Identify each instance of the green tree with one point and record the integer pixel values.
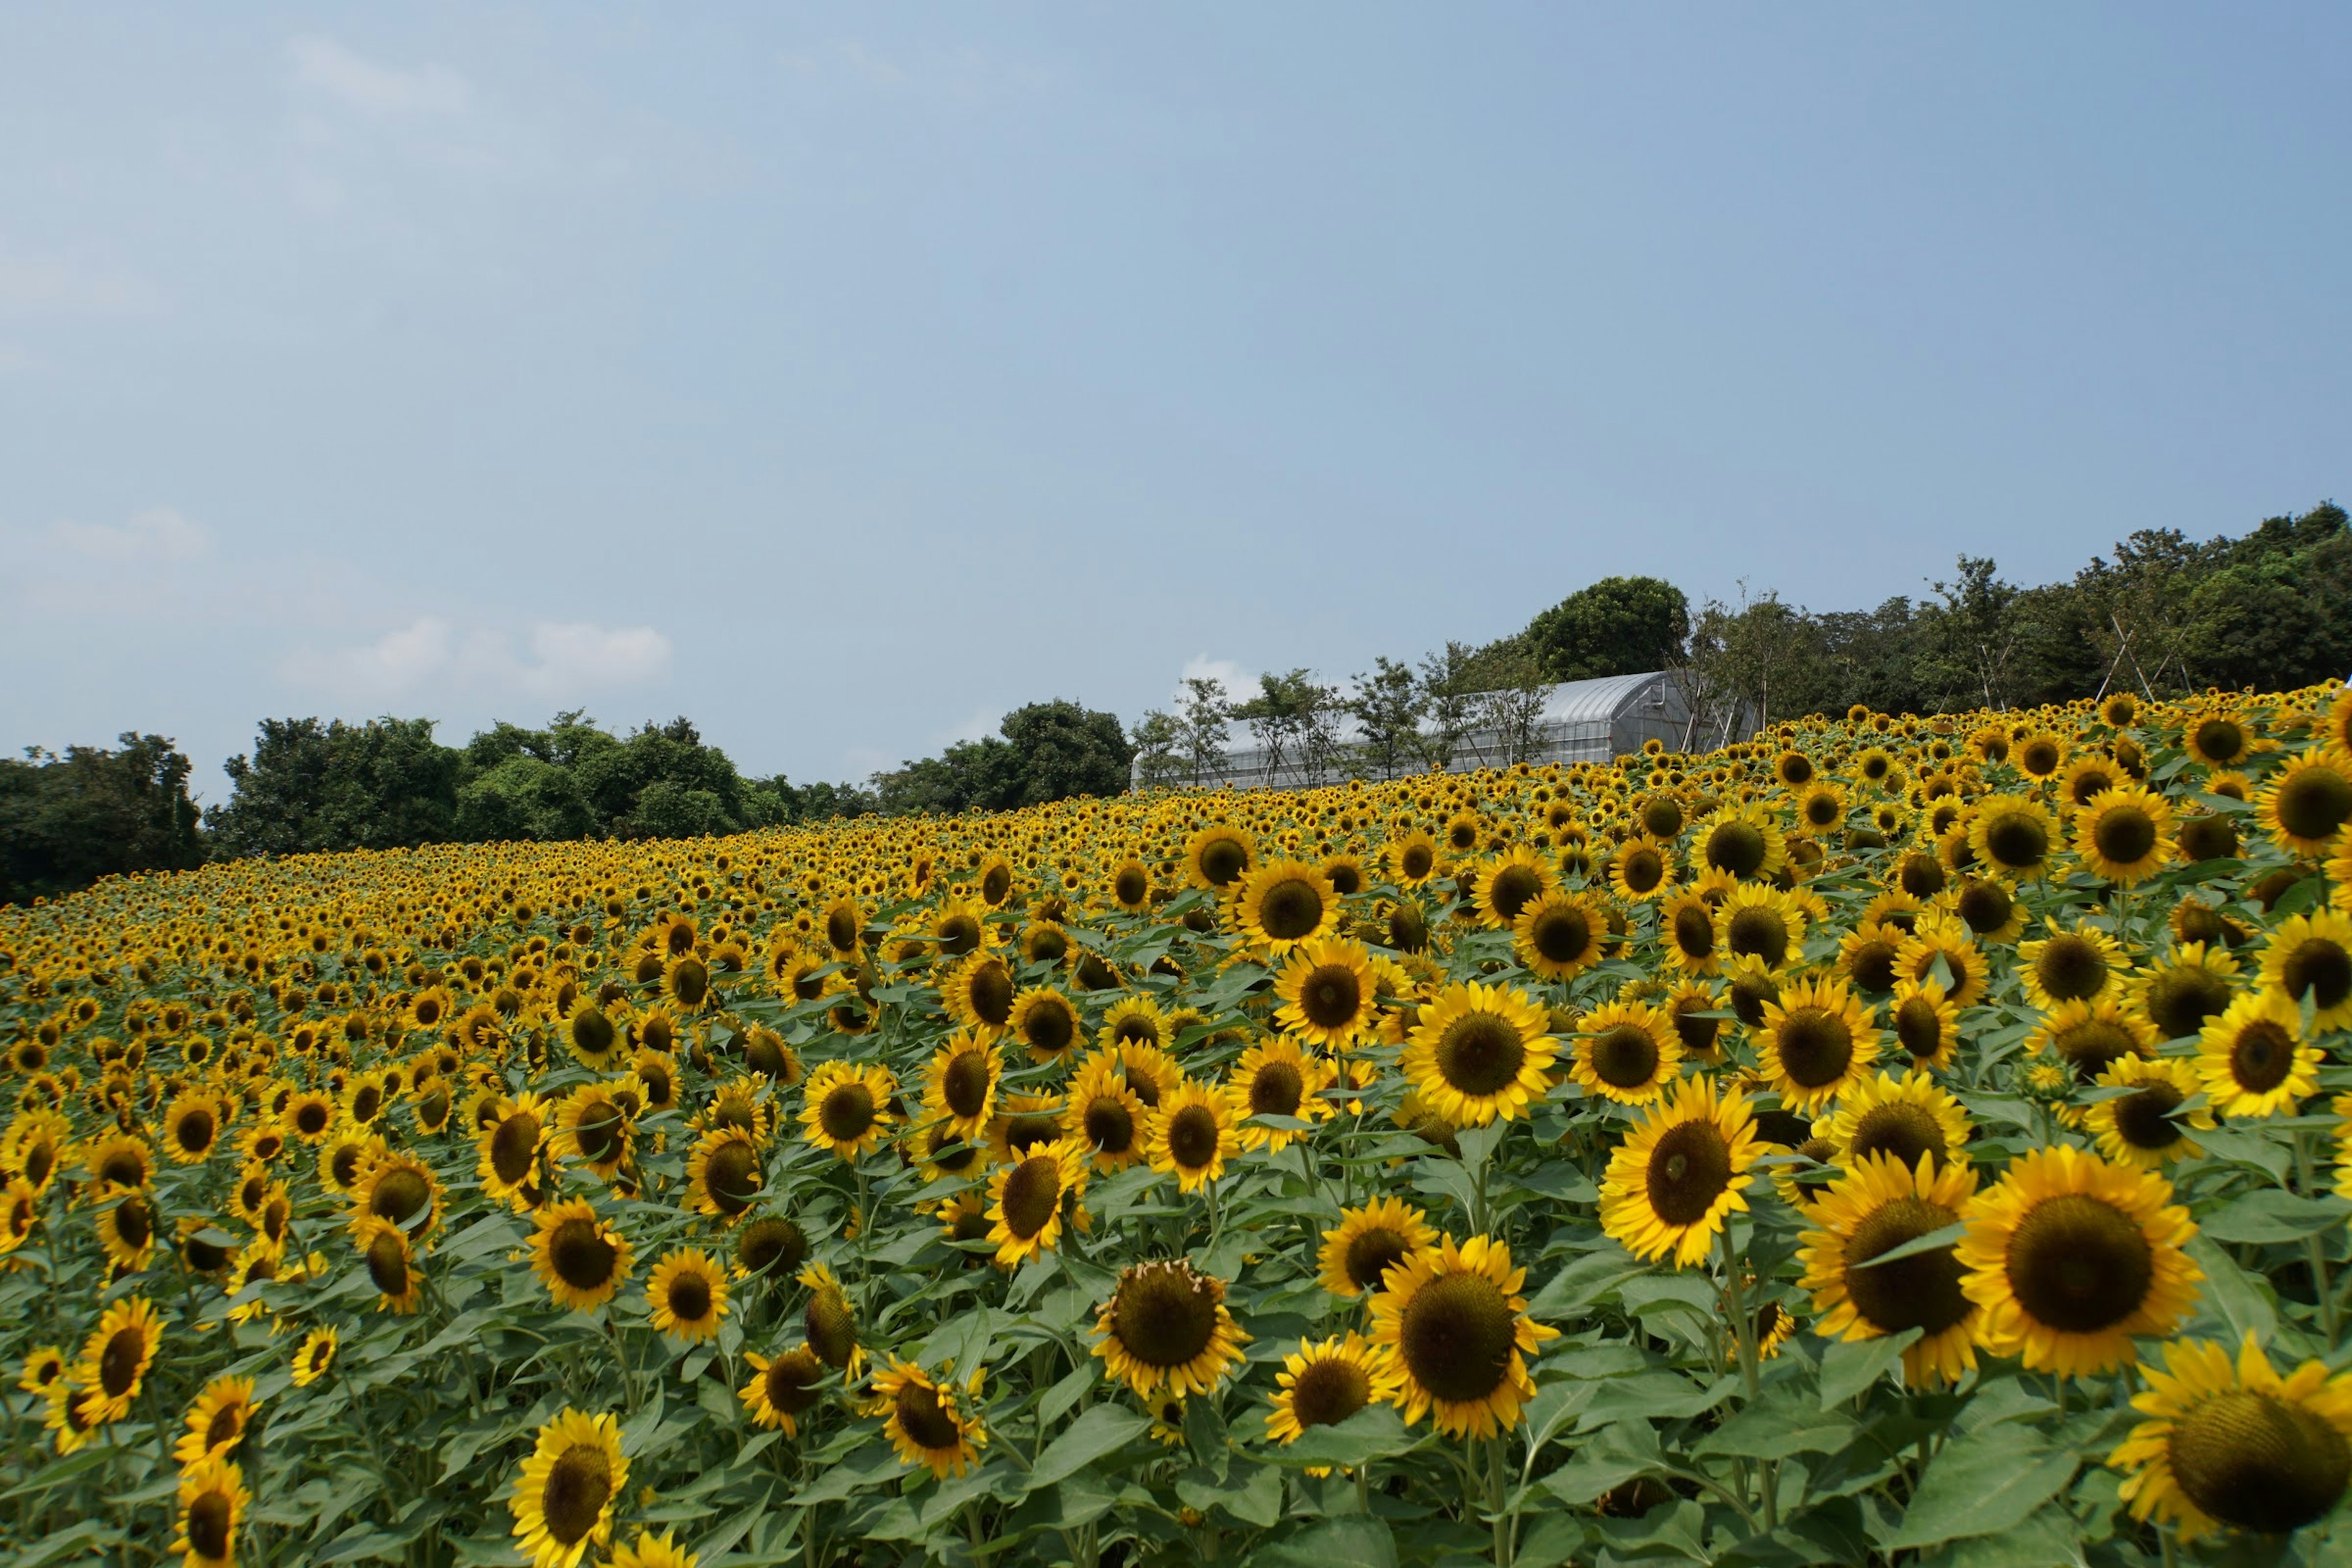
(1619, 625)
(308, 787)
(67, 821)
(1061, 750)
(523, 797)
(1156, 739)
(1387, 707)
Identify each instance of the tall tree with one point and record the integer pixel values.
(66, 821)
(1387, 706)
(1619, 625)
(1206, 715)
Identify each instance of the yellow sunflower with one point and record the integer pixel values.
(1946, 939)
(1626, 1051)
(1924, 1023)
(2090, 1036)
(595, 1128)
(2124, 835)
(651, 1551)
(1324, 1381)
(216, 1421)
(1558, 935)
(2013, 835)
(1501, 889)
(1480, 1052)
(1412, 858)
(2145, 1126)
(979, 991)
(1025, 1199)
(963, 1076)
(2304, 804)
(783, 1390)
(1046, 1022)
(1672, 1185)
(115, 1358)
(1217, 854)
(1368, 1241)
(1106, 1116)
(564, 1496)
(1760, 922)
(920, 1416)
(1876, 1206)
(686, 1297)
(2079, 965)
(1457, 1335)
(1285, 902)
(1909, 1119)
(213, 1499)
(1189, 1133)
(831, 1322)
(2195, 983)
(2070, 1256)
(1274, 1077)
(1166, 1326)
(2236, 1446)
(2253, 1060)
(1642, 869)
(1328, 993)
(1744, 841)
(2311, 956)
(847, 1109)
(391, 1263)
(315, 1355)
(1817, 1041)
(725, 1173)
(581, 1259)
(1687, 928)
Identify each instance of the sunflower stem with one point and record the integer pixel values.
(2313, 1251)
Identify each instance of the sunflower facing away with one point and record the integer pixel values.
(1673, 1184)
(1877, 1206)
(564, 1499)
(2236, 1446)
(1457, 1335)
(921, 1417)
(1480, 1052)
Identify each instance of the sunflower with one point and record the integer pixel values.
(590, 1032)
(782, 1391)
(127, 1233)
(1686, 925)
(1130, 886)
(1817, 1040)
(564, 1499)
(1689, 1006)
(2304, 804)
(1022, 1123)
(686, 1297)
(216, 1421)
(831, 1322)
(1642, 869)
(581, 1259)
(1412, 858)
(1328, 993)
(1558, 935)
(1106, 1116)
(314, 1355)
(2177, 997)
(1285, 902)
(1925, 1024)
(2236, 1446)
(1189, 1133)
(1217, 854)
(2078, 965)
(310, 1115)
(1457, 1335)
(391, 1263)
(1743, 840)
(1166, 1326)
(978, 993)
(847, 1108)
(1940, 937)
(2089, 1036)
(1025, 1200)
(804, 975)
(2253, 1060)
(399, 1188)
(2071, 1257)
(212, 1504)
(963, 1076)
(1909, 1119)
(1479, 1052)
(653, 1551)
(192, 1128)
(2311, 956)
(44, 1367)
(2145, 1127)
(921, 1418)
(1876, 1206)
(1988, 907)
(70, 1411)
(1274, 1077)
(1758, 923)
(1626, 1051)
(1368, 1241)
(1503, 888)
(115, 1358)
(725, 1173)
(509, 1148)
(1046, 1022)
(1324, 1381)
(595, 1128)
(2124, 835)
(2013, 835)
(1671, 1185)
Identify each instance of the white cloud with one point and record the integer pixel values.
(1239, 682)
(564, 660)
(955, 76)
(50, 286)
(982, 720)
(327, 68)
(157, 534)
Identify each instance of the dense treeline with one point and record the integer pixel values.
(2160, 614)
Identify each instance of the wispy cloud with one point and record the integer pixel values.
(1239, 681)
(57, 286)
(157, 534)
(434, 654)
(328, 70)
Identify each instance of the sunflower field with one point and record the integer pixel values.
(1887, 1141)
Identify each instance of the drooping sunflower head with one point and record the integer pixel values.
(1166, 1326)
(564, 1496)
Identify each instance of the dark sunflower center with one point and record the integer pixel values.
(1985, 905)
(1901, 1129)
(1749, 993)
(2220, 740)
(578, 1485)
(841, 930)
(847, 1113)
(2181, 1000)
(400, 1195)
(133, 1223)
(1130, 885)
(991, 994)
(2253, 1462)
(1695, 931)
(1275, 1089)
(2038, 757)
(2017, 841)
(2090, 782)
(1327, 1391)
(1109, 1126)
(1561, 935)
(1513, 886)
(1820, 810)
(1625, 1056)
(2124, 834)
(1163, 1315)
(1689, 1168)
(1222, 859)
(1480, 1054)
(922, 1420)
(592, 1032)
(1346, 881)
(1408, 928)
(367, 1102)
(1332, 996)
(959, 934)
(195, 1131)
(2262, 1055)
(1372, 1254)
(2314, 803)
(311, 1118)
(1192, 1137)
(690, 1298)
(1760, 931)
(1816, 1047)
(792, 1383)
(2071, 967)
(832, 1331)
(996, 884)
(733, 1176)
(1050, 1025)
(1738, 848)
(1418, 860)
(1641, 868)
(228, 1422)
(121, 1361)
(598, 1133)
(2320, 968)
(2091, 1046)
(963, 1084)
(1921, 1291)
(387, 1264)
(212, 1518)
(2079, 1265)
(949, 1152)
(1031, 1193)
(771, 1244)
(1698, 1034)
(1291, 909)
(1661, 817)
(580, 1255)
(1871, 967)
(2144, 1117)
(1918, 1027)
(1048, 947)
(1456, 1337)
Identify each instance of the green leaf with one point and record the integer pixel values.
(1355, 1538)
(1778, 1423)
(1934, 1241)
(1375, 1432)
(1055, 1402)
(1981, 1484)
(1614, 1456)
(1581, 1283)
(1251, 1493)
(2272, 1217)
(2243, 1301)
(1104, 1429)
(2047, 1538)
(1849, 1366)
(863, 1470)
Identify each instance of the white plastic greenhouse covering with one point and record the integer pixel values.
(1583, 721)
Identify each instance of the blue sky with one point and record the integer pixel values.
(843, 376)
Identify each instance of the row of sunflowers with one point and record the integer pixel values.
(1890, 1140)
